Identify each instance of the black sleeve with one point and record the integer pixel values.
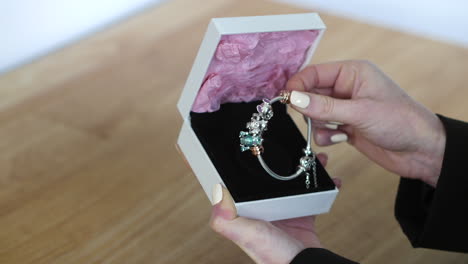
(430, 218)
(438, 218)
(319, 255)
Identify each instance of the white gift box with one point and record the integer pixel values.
(259, 197)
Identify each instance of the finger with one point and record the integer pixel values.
(224, 215)
(315, 76)
(304, 222)
(322, 91)
(224, 218)
(256, 238)
(338, 182)
(264, 241)
(324, 108)
(317, 123)
(223, 208)
(323, 124)
(340, 76)
(323, 158)
(327, 137)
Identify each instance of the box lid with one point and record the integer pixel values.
(219, 27)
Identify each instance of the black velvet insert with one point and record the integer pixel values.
(241, 172)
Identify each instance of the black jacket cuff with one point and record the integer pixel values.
(437, 218)
(319, 255)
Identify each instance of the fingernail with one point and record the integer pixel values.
(217, 194)
(335, 123)
(299, 99)
(339, 138)
(331, 126)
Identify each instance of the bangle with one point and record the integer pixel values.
(253, 139)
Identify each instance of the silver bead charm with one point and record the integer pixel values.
(307, 162)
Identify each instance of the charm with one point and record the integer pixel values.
(252, 140)
(265, 110)
(306, 163)
(248, 140)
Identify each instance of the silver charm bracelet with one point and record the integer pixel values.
(253, 139)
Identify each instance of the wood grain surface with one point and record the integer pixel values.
(89, 172)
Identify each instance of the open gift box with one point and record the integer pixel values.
(241, 61)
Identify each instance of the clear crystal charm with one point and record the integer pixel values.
(307, 162)
(256, 116)
(265, 110)
(257, 125)
(254, 127)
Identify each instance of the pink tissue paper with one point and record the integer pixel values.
(253, 66)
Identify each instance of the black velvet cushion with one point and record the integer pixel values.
(241, 172)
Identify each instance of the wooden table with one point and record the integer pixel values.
(89, 172)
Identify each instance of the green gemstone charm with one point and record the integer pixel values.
(247, 140)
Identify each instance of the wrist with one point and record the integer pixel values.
(433, 152)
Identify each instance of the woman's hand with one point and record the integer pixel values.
(362, 105)
(265, 242)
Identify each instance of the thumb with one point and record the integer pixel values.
(224, 209)
(324, 108)
(261, 240)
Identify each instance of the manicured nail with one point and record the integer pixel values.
(217, 194)
(331, 126)
(299, 99)
(335, 123)
(339, 138)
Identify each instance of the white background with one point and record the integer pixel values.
(445, 20)
(32, 28)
